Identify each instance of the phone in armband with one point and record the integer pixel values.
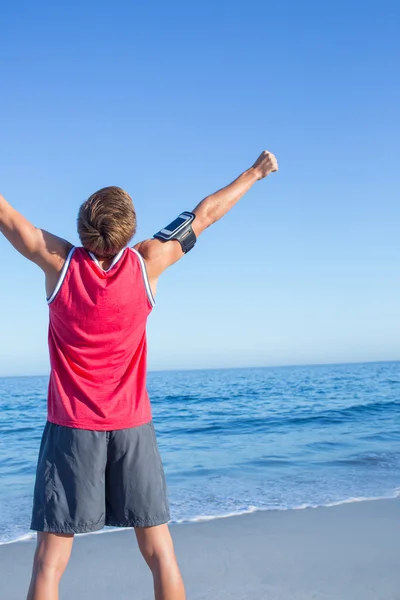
(180, 230)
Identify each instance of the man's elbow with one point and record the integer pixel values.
(202, 222)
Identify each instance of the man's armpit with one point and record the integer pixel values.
(52, 251)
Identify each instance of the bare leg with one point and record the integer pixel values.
(51, 558)
(156, 545)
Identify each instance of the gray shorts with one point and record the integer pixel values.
(88, 479)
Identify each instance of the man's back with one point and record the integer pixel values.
(97, 342)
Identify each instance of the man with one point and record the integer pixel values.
(98, 461)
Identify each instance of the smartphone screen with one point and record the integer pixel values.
(174, 225)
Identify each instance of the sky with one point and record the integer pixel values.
(173, 100)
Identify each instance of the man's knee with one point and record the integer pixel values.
(156, 546)
(48, 566)
(52, 555)
(158, 554)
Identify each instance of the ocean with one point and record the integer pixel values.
(237, 441)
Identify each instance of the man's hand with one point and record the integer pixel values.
(265, 164)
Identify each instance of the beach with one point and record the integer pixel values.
(351, 552)
(293, 453)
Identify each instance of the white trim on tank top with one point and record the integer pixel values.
(62, 276)
(145, 277)
(114, 262)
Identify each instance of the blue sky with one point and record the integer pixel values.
(173, 100)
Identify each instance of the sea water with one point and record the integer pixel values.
(235, 441)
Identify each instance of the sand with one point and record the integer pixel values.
(348, 552)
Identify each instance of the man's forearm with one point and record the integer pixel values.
(212, 208)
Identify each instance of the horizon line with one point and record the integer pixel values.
(288, 366)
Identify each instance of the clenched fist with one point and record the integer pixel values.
(265, 164)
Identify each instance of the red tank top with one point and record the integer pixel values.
(97, 343)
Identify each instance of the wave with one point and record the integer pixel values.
(340, 415)
(253, 509)
(249, 510)
(255, 424)
(387, 459)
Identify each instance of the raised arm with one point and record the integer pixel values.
(46, 250)
(160, 255)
